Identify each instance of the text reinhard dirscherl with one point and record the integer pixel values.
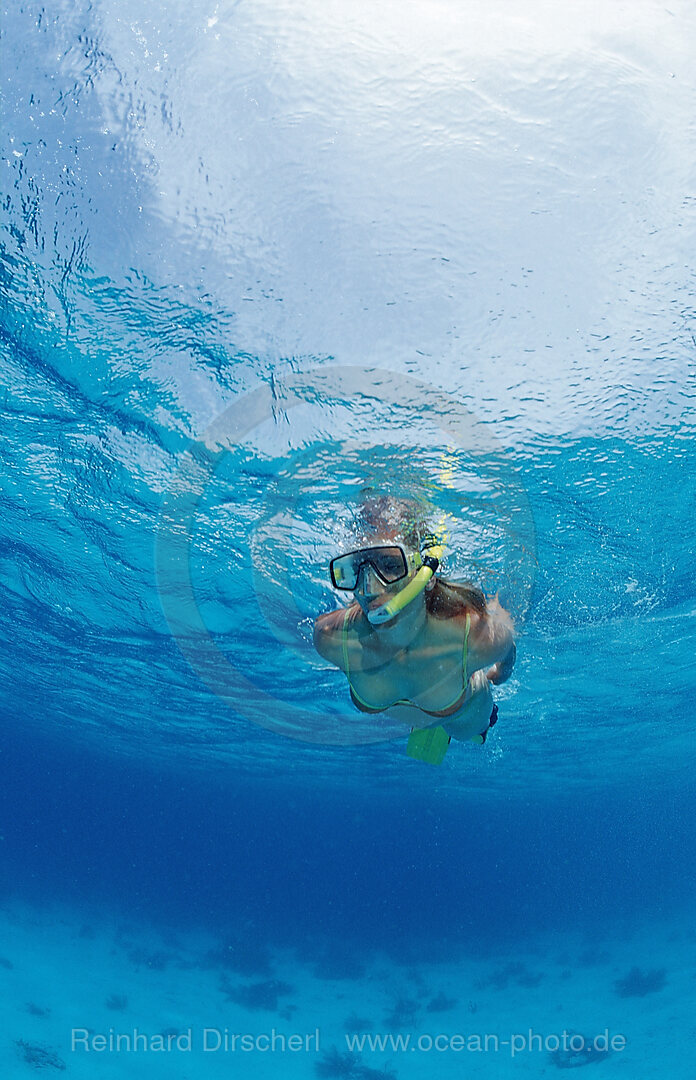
(216, 1040)
(208, 1040)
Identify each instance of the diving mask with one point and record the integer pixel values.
(390, 562)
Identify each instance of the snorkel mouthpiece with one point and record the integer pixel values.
(409, 592)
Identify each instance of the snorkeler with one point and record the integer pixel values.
(424, 648)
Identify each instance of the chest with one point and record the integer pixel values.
(431, 677)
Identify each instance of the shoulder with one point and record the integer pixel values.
(329, 629)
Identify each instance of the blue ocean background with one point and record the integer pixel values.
(255, 259)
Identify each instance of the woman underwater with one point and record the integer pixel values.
(429, 663)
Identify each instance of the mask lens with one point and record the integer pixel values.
(389, 563)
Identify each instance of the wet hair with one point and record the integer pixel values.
(385, 516)
(452, 599)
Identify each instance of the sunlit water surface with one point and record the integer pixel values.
(256, 257)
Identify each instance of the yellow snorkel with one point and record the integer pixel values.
(435, 547)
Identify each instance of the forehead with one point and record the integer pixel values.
(384, 539)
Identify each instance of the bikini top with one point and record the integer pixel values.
(364, 706)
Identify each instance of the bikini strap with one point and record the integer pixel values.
(466, 649)
(345, 645)
(357, 700)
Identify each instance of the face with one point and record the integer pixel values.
(371, 592)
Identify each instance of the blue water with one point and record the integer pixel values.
(254, 259)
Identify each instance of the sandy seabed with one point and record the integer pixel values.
(101, 996)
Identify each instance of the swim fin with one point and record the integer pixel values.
(428, 744)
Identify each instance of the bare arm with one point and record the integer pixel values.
(494, 643)
(501, 671)
(328, 636)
